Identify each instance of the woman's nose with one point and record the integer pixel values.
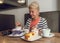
(31, 13)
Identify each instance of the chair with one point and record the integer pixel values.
(51, 17)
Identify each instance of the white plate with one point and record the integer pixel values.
(33, 39)
(51, 35)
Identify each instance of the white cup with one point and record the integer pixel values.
(17, 29)
(26, 30)
(46, 32)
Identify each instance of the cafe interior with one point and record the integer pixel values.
(12, 11)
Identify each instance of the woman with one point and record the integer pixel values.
(35, 21)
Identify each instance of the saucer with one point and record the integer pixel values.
(32, 39)
(17, 35)
(50, 35)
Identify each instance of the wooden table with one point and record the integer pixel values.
(55, 39)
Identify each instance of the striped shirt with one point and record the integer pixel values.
(42, 24)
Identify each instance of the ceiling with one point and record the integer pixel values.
(7, 4)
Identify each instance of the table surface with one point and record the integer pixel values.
(6, 39)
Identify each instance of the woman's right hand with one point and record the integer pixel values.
(18, 23)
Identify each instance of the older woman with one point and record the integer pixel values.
(35, 21)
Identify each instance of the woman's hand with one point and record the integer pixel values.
(33, 28)
(40, 32)
(18, 24)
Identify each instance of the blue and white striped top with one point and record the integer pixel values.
(42, 24)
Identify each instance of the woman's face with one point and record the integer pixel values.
(34, 13)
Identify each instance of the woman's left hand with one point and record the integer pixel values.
(40, 32)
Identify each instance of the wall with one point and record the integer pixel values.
(46, 5)
(19, 13)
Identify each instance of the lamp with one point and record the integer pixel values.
(1, 1)
(21, 1)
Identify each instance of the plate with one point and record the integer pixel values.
(51, 35)
(16, 35)
(33, 39)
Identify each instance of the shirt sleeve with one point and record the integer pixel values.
(44, 22)
(27, 24)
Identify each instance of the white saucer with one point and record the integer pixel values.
(16, 35)
(33, 39)
(51, 35)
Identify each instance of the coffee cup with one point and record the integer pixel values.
(46, 32)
